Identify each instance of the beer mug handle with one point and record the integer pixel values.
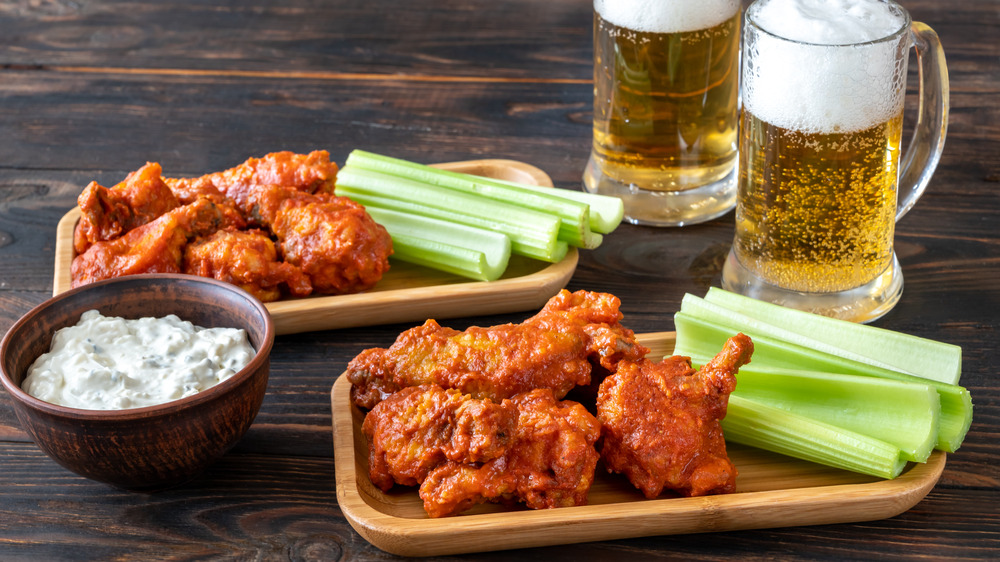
(924, 151)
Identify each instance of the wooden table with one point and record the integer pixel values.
(92, 90)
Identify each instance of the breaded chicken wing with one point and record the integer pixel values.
(549, 464)
(106, 214)
(660, 422)
(247, 259)
(553, 349)
(155, 247)
(334, 241)
(421, 427)
(463, 451)
(310, 173)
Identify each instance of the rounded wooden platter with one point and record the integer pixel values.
(771, 491)
(406, 292)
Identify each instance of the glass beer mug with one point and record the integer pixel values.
(821, 178)
(666, 77)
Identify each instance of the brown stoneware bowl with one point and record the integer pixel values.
(153, 447)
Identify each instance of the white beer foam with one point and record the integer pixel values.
(828, 22)
(815, 87)
(666, 16)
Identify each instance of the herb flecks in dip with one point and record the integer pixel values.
(105, 363)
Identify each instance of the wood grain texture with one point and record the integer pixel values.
(92, 90)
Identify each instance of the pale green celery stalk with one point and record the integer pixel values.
(758, 425)
(903, 414)
(455, 248)
(788, 331)
(606, 211)
(525, 242)
(903, 352)
(573, 215)
(515, 221)
(701, 340)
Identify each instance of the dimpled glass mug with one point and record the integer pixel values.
(821, 177)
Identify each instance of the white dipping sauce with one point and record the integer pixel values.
(106, 363)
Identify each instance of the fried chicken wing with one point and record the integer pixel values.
(661, 422)
(155, 247)
(463, 451)
(419, 428)
(106, 214)
(553, 349)
(264, 201)
(247, 259)
(334, 241)
(310, 173)
(549, 464)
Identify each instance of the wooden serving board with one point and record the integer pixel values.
(772, 490)
(406, 292)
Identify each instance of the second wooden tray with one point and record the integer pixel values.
(771, 491)
(407, 293)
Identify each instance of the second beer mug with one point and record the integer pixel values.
(666, 76)
(820, 135)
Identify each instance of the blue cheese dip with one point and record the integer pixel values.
(105, 363)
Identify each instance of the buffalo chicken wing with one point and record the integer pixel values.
(550, 463)
(310, 173)
(660, 422)
(279, 230)
(106, 214)
(333, 241)
(463, 451)
(422, 427)
(247, 259)
(155, 247)
(552, 349)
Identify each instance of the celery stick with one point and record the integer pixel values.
(606, 211)
(910, 354)
(574, 215)
(700, 340)
(788, 331)
(909, 420)
(758, 425)
(515, 219)
(455, 248)
(436, 255)
(525, 242)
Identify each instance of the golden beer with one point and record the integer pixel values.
(816, 211)
(822, 180)
(665, 103)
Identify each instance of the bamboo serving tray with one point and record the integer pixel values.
(406, 292)
(771, 491)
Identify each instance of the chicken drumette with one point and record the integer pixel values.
(552, 349)
(421, 427)
(155, 247)
(107, 213)
(549, 464)
(247, 259)
(309, 173)
(308, 241)
(660, 422)
(463, 451)
(333, 240)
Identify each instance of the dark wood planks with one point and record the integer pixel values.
(91, 90)
(270, 507)
(514, 38)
